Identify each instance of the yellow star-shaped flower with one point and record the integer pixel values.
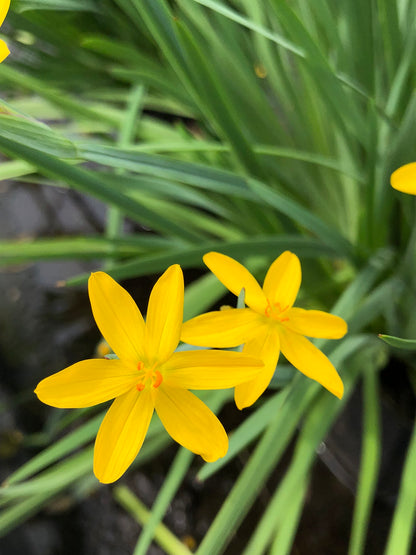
(148, 375)
(271, 324)
(4, 8)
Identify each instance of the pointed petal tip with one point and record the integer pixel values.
(212, 457)
(339, 391)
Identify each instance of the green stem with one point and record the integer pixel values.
(370, 463)
(164, 537)
(403, 525)
(127, 132)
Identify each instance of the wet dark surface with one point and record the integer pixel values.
(44, 328)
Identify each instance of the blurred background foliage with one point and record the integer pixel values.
(248, 128)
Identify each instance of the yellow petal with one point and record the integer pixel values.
(266, 347)
(117, 317)
(4, 8)
(282, 281)
(4, 51)
(315, 323)
(165, 315)
(86, 383)
(404, 179)
(191, 423)
(307, 358)
(209, 369)
(121, 434)
(222, 328)
(236, 277)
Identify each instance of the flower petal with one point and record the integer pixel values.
(117, 317)
(307, 358)
(4, 8)
(191, 423)
(266, 347)
(315, 323)
(121, 434)
(222, 328)
(236, 277)
(404, 179)
(282, 281)
(86, 383)
(209, 369)
(4, 51)
(165, 315)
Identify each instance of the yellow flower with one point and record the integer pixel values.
(271, 324)
(404, 179)
(148, 375)
(4, 8)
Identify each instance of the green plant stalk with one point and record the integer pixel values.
(316, 425)
(170, 486)
(88, 183)
(126, 136)
(164, 537)
(370, 464)
(257, 470)
(285, 522)
(282, 543)
(403, 525)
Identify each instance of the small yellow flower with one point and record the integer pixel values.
(271, 324)
(4, 8)
(404, 179)
(147, 375)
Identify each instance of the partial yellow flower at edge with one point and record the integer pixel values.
(148, 375)
(4, 8)
(269, 325)
(404, 179)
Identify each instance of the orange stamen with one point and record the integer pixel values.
(140, 366)
(158, 379)
(140, 386)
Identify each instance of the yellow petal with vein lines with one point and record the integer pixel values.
(209, 369)
(404, 179)
(222, 328)
(117, 317)
(165, 315)
(4, 8)
(87, 383)
(307, 358)
(236, 277)
(121, 434)
(266, 347)
(282, 281)
(4, 51)
(315, 323)
(191, 423)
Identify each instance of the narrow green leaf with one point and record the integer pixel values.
(370, 464)
(174, 478)
(70, 5)
(398, 342)
(249, 24)
(167, 541)
(192, 257)
(56, 451)
(240, 438)
(89, 182)
(90, 248)
(36, 135)
(403, 525)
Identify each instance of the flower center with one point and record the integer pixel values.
(148, 377)
(276, 312)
